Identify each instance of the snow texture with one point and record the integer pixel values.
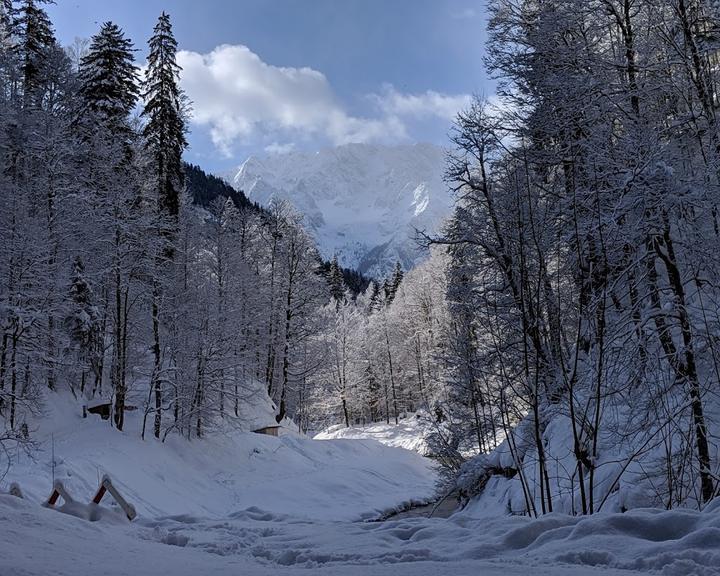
(409, 433)
(255, 541)
(339, 480)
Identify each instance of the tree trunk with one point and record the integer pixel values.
(13, 378)
(156, 379)
(3, 367)
(392, 374)
(687, 370)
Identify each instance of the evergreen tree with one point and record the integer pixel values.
(36, 41)
(165, 141)
(397, 277)
(108, 77)
(83, 325)
(392, 284)
(336, 282)
(165, 129)
(107, 165)
(376, 299)
(7, 24)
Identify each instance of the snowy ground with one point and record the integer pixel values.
(254, 505)
(339, 480)
(252, 542)
(409, 433)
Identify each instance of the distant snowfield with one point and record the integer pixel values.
(254, 505)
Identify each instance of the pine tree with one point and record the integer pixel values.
(83, 325)
(165, 129)
(376, 298)
(397, 277)
(392, 284)
(165, 141)
(107, 166)
(36, 41)
(7, 23)
(108, 77)
(336, 282)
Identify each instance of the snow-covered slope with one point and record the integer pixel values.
(225, 472)
(241, 503)
(362, 202)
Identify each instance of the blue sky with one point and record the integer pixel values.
(269, 75)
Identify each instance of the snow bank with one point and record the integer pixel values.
(243, 503)
(630, 471)
(677, 542)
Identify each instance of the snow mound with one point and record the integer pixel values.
(670, 542)
(627, 474)
(259, 542)
(258, 505)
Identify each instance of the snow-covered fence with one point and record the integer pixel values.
(88, 511)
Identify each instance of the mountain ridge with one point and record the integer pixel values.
(362, 202)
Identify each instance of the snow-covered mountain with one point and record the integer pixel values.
(362, 202)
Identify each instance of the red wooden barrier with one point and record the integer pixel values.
(58, 491)
(106, 485)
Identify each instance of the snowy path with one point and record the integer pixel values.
(38, 542)
(253, 542)
(676, 542)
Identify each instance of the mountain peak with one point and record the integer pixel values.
(362, 202)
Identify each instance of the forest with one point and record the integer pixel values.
(563, 332)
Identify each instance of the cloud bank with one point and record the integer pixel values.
(426, 104)
(239, 98)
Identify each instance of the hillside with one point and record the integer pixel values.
(261, 506)
(232, 470)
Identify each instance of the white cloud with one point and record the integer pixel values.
(423, 105)
(241, 99)
(277, 148)
(237, 95)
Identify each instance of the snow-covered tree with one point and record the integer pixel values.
(164, 141)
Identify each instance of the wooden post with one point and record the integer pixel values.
(58, 491)
(99, 494)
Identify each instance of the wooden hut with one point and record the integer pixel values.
(272, 430)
